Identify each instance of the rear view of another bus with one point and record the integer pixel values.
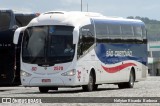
(9, 52)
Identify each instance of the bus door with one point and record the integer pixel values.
(86, 48)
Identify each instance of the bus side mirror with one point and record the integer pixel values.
(75, 35)
(17, 33)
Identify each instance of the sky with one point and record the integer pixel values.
(120, 8)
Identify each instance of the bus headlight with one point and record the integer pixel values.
(25, 74)
(69, 73)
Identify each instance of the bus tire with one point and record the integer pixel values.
(121, 85)
(53, 88)
(43, 89)
(90, 85)
(128, 84)
(95, 87)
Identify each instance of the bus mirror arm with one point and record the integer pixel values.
(15, 27)
(17, 33)
(75, 35)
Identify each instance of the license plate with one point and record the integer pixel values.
(46, 80)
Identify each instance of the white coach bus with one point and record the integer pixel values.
(72, 49)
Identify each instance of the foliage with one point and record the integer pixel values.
(152, 26)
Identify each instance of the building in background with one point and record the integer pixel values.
(154, 58)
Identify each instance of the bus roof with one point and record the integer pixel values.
(24, 14)
(3, 9)
(74, 18)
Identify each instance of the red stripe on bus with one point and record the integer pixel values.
(117, 68)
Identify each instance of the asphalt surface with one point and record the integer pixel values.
(76, 97)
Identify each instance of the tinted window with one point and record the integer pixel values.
(127, 30)
(34, 41)
(119, 31)
(86, 39)
(48, 44)
(5, 18)
(114, 29)
(137, 31)
(144, 32)
(101, 30)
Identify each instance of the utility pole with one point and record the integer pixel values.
(81, 5)
(87, 7)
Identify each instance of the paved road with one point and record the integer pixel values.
(148, 88)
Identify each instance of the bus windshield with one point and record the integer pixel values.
(5, 19)
(46, 45)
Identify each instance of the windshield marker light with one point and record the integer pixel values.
(69, 73)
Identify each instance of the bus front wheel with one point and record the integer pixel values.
(90, 85)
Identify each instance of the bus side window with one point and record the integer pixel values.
(101, 30)
(127, 30)
(80, 46)
(86, 39)
(6, 17)
(144, 33)
(137, 31)
(114, 30)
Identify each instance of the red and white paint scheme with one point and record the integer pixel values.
(71, 49)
